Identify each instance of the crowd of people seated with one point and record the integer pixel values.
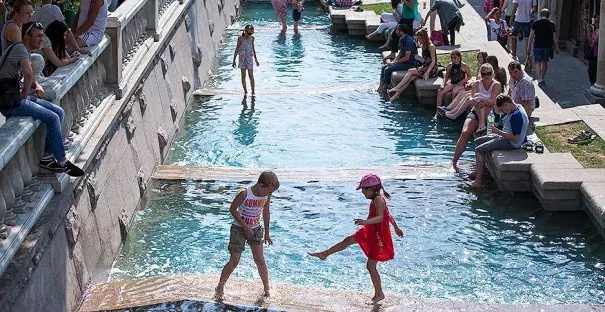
(42, 30)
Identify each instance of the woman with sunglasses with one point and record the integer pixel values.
(11, 30)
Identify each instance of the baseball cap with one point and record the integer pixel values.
(369, 180)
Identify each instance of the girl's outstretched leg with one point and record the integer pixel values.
(227, 270)
(243, 70)
(378, 294)
(251, 76)
(261, 265)
(348, 241)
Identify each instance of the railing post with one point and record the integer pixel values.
(152, 14)
(113, 61)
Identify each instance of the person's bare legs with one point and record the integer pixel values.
(348, 241)
(387, 45)
(432, 21)
(409, 77)
(73, 44)
(440, 94)
(470, 125)
(479, 173)
(482, 115)
(528, 109)
(375, 276)
(513, 45)
(457, 89)
(284, 25)
(459, 105)
(458, 100)
(251, 76)
(227, 270)
(243, 70)
(259, 259)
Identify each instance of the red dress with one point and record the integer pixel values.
(375, 239)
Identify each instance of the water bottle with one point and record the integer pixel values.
(490, 121)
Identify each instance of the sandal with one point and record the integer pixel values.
(538, 147)
(528, 146)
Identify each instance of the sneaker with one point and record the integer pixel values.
(72, 169)
(51, 165)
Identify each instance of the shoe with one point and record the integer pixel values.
(51, 165)
(72, 169)
(541, 84)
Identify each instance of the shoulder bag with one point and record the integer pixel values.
(10, 93)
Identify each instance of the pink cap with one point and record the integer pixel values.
(369, 180)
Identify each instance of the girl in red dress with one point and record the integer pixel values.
(374, 237)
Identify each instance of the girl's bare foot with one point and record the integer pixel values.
(472, 175)
(219, 292)
(377, 298)
(266, 292)
(474, 184)
(394, 97)
(319, 255)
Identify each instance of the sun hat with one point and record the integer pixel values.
(369, 180)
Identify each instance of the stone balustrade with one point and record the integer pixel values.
(133, 27)
(25, 190)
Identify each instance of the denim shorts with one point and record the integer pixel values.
(541, 54)
(525, 28)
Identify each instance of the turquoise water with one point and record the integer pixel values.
(489, 249)
(316, 108)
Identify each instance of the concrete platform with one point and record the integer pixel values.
(559, 189)
(284, 297)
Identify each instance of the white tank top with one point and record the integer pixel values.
(486, 93)
(251, 209)
(100, 22)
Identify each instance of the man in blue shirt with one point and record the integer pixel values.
(511, 137)
(404, 60)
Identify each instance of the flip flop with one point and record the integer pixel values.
(539, 147)
(528, 146)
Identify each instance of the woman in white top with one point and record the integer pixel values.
(90, 22)
(389, 20)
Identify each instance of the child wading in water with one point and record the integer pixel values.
(374, 237)
(246, 209)
(247, 56)
(297, 12)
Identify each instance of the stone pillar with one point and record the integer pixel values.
(598, 89)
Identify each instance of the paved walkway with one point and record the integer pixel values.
(566, 78)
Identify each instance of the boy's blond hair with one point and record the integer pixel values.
(268, 178)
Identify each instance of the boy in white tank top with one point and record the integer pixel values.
(247, 208)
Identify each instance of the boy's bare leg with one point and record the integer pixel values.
(375, 276)
(259, 259)
(348, 241)
(74, 44)
(226, 273)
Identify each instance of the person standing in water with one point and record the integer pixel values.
(247, 56)
(247, 208)
(374, 237)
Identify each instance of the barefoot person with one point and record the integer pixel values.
(281, 9)
(374, 237)
(247, 56)
(246, 209)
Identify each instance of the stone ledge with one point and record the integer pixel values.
(521, 160)
(565, 179)
(593, 196)
(14, 133)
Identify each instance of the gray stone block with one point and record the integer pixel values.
(520, 160)
(593, 196)
(565, 179)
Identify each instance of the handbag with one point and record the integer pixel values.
(437, 38)
(10, 93)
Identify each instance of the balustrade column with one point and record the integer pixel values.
(26, 174)
(68, 120)
(91, 88)
(4, 230)
(10, 218)
(34, 159)
(598, 89)
(152, 15)
(17, 185)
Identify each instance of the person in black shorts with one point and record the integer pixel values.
(544, 35)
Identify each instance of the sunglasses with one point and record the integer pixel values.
(35, 25)
(486, 74)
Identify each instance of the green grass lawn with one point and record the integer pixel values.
(470, 58)
(379, 8)
(591, 155)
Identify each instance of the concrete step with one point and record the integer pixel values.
(558, 189)
(593, 198)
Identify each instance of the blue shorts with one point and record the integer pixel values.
(541, 54)
(524, 28)
(296, 15)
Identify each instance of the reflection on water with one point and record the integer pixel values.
(247, 123)
(195, 306)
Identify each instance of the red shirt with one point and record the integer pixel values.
(488, 6)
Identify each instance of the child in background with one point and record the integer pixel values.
(247, 56)
(456, 75)
(246, 209)
(374, 237)
(297, 12)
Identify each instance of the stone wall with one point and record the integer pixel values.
(79, 233)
